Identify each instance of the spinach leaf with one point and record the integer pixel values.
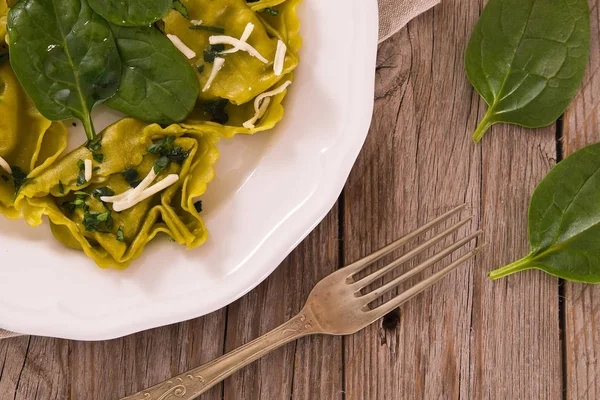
(131, 12)
(180, 8)
(64, 56)
(158, 84)
(527, 58)
(564, 221)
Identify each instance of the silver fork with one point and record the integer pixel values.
(336, 306)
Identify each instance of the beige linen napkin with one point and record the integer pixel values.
(393, 15)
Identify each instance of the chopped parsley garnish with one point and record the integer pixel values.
(79, 202)
(94, 145)
(212, 52)
(161, 164)
(19, 178)
(120, 234)
(216, 110)
(103, 192)
(271, 11)
(200, 68)
(81, 176)
(131, 176)
(198, 206)
(94, 221)
(98, 157)
(209, 28)
(168, 152)
(179, 7)
(61, 187)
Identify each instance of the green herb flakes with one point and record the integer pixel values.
(103, 192)
(131, 176)
(81, 176)
(161, 164)
(168, 152)
(98, 157)
(19, 178)
(271, 11)
(216, 109)
(212, 52)
(120, 234)
(209, 28)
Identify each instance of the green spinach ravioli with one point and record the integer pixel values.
(186, 73)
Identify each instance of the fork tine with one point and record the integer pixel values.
(375, 294)
(396, 302)
(367, 280)
(364, 262)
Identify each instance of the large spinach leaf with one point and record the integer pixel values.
(132, 12)
(564, 221)
(64, 56)
(527, 58)
(158, 84)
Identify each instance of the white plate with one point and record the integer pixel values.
(271, 190)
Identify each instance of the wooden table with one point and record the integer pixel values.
(529, 336)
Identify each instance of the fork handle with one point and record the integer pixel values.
(193, 383)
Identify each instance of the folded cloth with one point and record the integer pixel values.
(393, 15)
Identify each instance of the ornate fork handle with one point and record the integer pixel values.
(193, 383)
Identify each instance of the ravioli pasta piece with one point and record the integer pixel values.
(28, 142)
(237, 115)
(242, 77)
(284, 26)
(80, 220)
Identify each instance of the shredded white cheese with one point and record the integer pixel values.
(274, 92)
(143, 184)
(119, 197)
(189, 53)
(222, 39)
(88, 170)
(5, 166)
(133, 196)
(259, 104)
(279, 58)
(247, 32)
(133, 192)
(217, 65)
(151, 191)
(257, 115)
(196, 21)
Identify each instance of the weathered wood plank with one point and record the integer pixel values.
(308, 369)
(417, 163)
(41, 368)
(460, 337)
(582, 302)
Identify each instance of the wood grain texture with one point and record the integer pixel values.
(582, 302)
(466, 338)
(310, 368)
